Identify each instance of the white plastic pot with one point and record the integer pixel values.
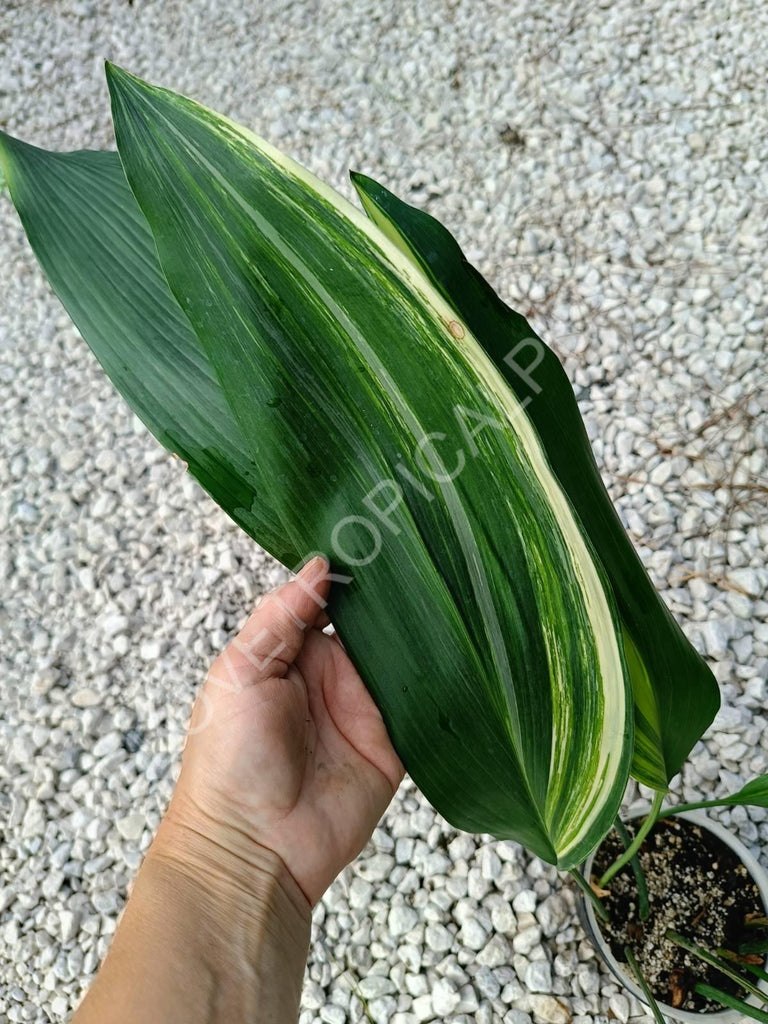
(622, 971)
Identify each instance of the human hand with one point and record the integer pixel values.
(287, 753)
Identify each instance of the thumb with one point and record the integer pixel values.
(275, 632)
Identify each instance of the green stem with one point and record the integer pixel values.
(699, 805)
(590, 894)
(657, 1014)
(637, 842)
(644, 908)
(730, 1001)
(714, 961)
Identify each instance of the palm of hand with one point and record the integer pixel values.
(287, 745)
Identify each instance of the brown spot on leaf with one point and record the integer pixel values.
(456, 329)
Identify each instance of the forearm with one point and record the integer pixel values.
(212, 933)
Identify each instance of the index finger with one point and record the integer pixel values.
(275, 632)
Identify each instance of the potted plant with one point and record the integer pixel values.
(684, 925)
(350, 385)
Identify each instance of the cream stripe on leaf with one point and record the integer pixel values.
(675, 694)
(284, 283)
(483, 624)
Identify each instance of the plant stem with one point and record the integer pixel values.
(699, 805)
(628, 854)
(631, 960)
(730, 1001)
(590, 894)
(644, 908)
(714, 961)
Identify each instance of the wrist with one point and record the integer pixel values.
(251, 917)
(229, 866)
(208, 935)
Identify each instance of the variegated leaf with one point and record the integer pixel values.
(675, 694)
(378, 431)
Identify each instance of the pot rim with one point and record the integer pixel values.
(589, 919)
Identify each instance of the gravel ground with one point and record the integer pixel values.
(604, 164)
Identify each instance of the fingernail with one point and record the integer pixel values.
(313, 566)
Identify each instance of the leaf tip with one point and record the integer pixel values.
(121, 83)
(114, 72)
(6, 148)
(364, 185)
(369, 192)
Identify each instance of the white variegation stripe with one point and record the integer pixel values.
(612, 670)
(601, 778)
(419, 430)
(675, 694)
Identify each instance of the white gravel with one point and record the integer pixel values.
(605, 165)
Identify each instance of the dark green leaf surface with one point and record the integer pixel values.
(676, 696)
(386, 439)
(99, 256)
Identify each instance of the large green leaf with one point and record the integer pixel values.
(99, 256)
(477, 614)
(483, 625)
(676, 696)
